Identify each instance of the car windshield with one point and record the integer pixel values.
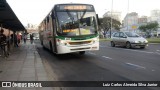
(72, 23)
(131, 34)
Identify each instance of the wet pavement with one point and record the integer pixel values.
(23, 64)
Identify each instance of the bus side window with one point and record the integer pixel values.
(47, 23)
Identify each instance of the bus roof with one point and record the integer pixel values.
(65, 4)
(73, 4)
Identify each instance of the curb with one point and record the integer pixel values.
(153, 43)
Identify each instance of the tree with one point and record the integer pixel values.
(142, 28)
(153, 26)
(105, 24)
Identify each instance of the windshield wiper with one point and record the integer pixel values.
(84, 12)
(71, 17)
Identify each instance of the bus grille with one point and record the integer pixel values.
(80, 48)
(79, 43)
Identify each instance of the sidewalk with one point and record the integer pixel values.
(23, 64)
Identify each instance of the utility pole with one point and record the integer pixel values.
(127, 14)
(111, 18)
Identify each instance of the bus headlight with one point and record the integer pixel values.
(61, 42)
(95, 40)
(146, 41)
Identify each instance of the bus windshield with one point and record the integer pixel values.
(76, 23)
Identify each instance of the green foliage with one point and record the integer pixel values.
(143, 28)
(148, 28)
(106, 23)
(153, 26)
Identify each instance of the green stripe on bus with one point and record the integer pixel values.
(60, 37)
(75, 38)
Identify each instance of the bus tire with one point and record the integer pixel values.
(42, 43)
(43, 47)
(82, 52)
(51, 48)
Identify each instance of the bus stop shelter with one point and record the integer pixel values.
(8, 19)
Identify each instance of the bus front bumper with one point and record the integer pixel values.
(62, 49)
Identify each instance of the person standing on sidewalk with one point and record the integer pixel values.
(3, 42)
(14, 39)
(24, 38)
(19, 39)
(2, 37)
(31, 38)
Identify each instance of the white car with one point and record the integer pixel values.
(36, 38)
(28, 37)
(128, 39)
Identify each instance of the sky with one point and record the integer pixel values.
(34, 11)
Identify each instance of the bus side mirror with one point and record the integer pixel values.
(98, 19)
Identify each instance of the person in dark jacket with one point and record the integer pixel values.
(14, 39)
(3, 42)
(31, 38)
(2, 37)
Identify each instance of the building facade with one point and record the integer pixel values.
(142, 20)
(32, 28)
(115, 15)
(130, 21)
(155, 16)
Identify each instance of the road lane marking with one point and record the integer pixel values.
(107, 57)
(157, 53)
(134, 65)
(139, 51)
(153, 70)
(101, 46)
(91, 53)
(136, 51)
(130, 49)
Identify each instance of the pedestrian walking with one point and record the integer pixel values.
(2, 37)
(18, 39)
(31, 38)
(3, 42)
(14, 39)
(24, 38)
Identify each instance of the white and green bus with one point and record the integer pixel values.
(70, 28)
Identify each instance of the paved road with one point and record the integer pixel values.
(107, 64)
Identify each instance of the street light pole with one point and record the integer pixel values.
(111, 18)
(127, 14)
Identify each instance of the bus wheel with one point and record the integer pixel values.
(42, 43)
(82, 52)
(50, 44)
